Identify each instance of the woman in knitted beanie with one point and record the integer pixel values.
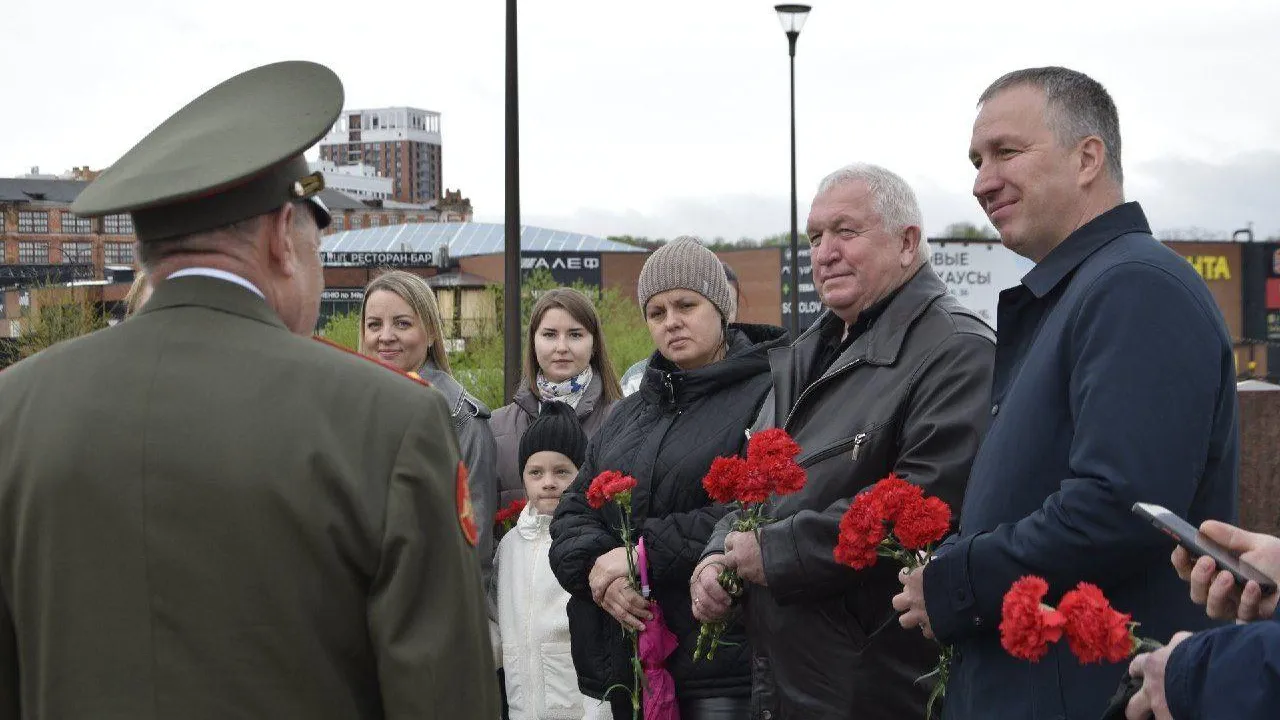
(701, 391)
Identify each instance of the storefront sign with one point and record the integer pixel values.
(1211, 267)
(342, 295)
(566, 267)
(377, 259)
(976, 272)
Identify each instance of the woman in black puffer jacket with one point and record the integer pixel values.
(701, 391)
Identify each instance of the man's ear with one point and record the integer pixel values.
(910, 245)
(1093, 160)
(282, 246)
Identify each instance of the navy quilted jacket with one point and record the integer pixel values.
(665, 436)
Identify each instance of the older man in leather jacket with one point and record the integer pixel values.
(894, 377)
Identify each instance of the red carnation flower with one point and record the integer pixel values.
(893, 494)
(771, 446)
(922, 522)
(721, 481)
(787, 478)
(510, 512)
(607, 486)
(1027, 626)
(1095, 630)
(861, 531)
(618, 486)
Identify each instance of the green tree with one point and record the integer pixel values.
(343, 329)
(640, 242)
(968, 231)
(57, 313)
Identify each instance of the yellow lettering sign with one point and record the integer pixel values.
(1211, 267)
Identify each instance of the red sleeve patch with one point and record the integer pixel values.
(466, 514)
(411, 375)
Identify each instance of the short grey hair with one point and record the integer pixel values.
(894, 200)
(239, 232)
(1076, 107)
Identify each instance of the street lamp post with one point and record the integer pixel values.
(511, 246)
(792, 18)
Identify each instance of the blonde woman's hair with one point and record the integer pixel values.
(133, 298)
(414, 291)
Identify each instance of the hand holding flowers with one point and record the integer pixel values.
(769, 470)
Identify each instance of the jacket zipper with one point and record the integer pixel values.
(829, 376)
(856, 443)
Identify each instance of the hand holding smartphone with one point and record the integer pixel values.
(1197, 544)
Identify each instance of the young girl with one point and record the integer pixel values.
(533, 627)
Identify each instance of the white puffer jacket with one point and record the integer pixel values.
(534, 629)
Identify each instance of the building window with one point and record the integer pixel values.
(118, 253)
(118, 225)
(33, 221)
(375, 221)
(33, 252)
(2, 224)
(77, 252)
(72, 225)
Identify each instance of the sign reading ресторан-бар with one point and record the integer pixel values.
(377, 259)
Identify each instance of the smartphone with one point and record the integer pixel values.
(1197, 544)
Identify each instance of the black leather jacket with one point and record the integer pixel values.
(910, 395)
(665, 436)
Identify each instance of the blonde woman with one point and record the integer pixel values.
(400, 325)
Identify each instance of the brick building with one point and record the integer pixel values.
(401, 143)
(350, 213)
(43, 243)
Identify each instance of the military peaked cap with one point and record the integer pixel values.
(233, 153)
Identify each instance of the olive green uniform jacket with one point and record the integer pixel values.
(204, 516)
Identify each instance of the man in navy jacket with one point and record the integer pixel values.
(1230, 672)
(1114, 383)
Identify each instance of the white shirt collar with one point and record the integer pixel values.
(219, 274)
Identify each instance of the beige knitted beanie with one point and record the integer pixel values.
(684, 263)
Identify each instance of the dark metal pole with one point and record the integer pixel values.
(795, 233)
(511, 273)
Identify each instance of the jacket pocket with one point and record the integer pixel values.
(855, 446)
(559, 679)
(513, 670)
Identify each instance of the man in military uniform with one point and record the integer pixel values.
(203, 513)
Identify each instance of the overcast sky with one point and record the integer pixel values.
(662, 118)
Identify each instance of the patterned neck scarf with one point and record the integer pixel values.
(568, 391)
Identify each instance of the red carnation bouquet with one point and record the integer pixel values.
(1095, 631)
(505, 519)
(893, 519)
(612, 486)
(769, 470)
